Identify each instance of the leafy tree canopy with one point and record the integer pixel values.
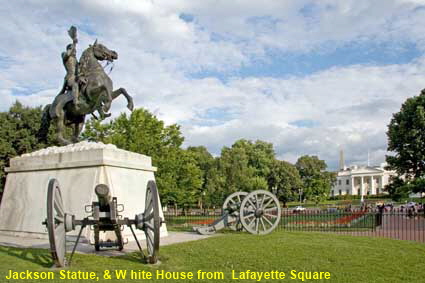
(310, 166)
(246, 165)
(285, 178)
(406, 138)
(18, 130)
(316, 181)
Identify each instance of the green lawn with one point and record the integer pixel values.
(341, 202)
(348, 259)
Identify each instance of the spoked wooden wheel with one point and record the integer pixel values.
(260, 212)
(232, 204)
(152, 222)
(56, 223)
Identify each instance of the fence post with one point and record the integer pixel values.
(379, 215)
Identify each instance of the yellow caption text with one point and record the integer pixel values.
(169, 275)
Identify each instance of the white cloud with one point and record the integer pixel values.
(349, 106)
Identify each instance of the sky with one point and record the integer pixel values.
(311, 77)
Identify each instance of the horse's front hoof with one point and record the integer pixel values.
(130, 106)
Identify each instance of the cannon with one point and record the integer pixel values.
(257, 212)
(104, 216)
(105, 212)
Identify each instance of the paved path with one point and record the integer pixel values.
(172, 238)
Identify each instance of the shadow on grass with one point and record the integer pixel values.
(136, 257)
(37, 256)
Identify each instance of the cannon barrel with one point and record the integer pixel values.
(103, 195)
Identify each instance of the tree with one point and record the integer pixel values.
(318, 189)
(284, 177)
(215, 190)
(310, 166)
(205, 162)
(18, 134)
(178, 177)
(398, 189)
(189, 179)
(316, 180)
(233, 166)
(246, 165)
(406, 138)
(261, 156)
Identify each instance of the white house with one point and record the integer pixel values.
(361, 180)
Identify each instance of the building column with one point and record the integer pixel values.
(361, 189)
(352, 186)
(372, 186)
(381, 183)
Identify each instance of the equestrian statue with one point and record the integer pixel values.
(86, 89)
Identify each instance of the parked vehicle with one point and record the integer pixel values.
(299, 208)
(410, 204)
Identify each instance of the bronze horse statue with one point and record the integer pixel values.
(96, 94)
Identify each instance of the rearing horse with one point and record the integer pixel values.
(96, 94)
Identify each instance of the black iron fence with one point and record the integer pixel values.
(397, 223)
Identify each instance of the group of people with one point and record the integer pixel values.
(413, 210)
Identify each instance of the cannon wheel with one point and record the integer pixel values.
(260, 212)
(234, 199)
(56, 223)
(152, 222)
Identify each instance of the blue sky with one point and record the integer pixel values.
(311, 77)
(281, 64)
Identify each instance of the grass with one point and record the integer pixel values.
(340, 202)
(347, 258)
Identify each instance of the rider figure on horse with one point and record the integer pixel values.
(70, 62)
(85, 83)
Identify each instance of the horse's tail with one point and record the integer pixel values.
(45, 124)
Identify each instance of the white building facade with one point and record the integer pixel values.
(364, 180)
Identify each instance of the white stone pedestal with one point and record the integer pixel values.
(78, 168)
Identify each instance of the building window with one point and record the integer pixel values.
(347, 182)
(377, 191)
(368, 192)
(332, 193)
(358, 192)
(339, 182)
(340, 192)
(347, 192)
(377, 181)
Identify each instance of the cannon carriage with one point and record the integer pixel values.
(257, 212)
(104, 217)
